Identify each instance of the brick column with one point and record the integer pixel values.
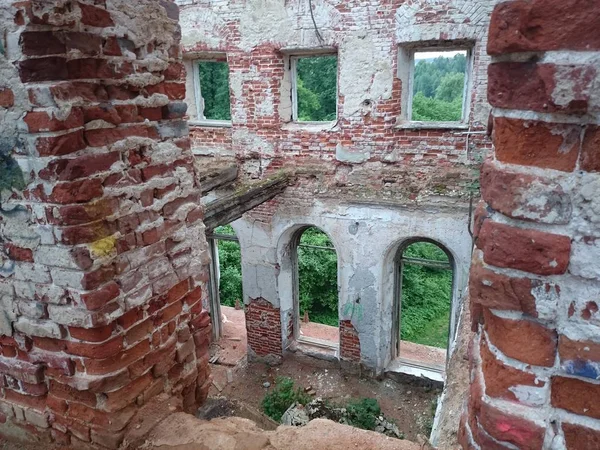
(534, 284)
(349, 342)
(102, 264)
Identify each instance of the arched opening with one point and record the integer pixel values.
(423, 304)
(316, 289)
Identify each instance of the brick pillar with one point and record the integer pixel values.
(102, 263)
(263, 328)
(349, 342)
(534, 283)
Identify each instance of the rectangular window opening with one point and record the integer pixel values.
(439, 85)
(314, 88)
(213, 99)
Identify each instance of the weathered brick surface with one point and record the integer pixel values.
(101, 309)
(537, 344)
(263, 328)
(349, 342)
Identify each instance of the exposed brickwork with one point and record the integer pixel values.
(349, 342)
(102, 249)
(263, 328)
(534, 281)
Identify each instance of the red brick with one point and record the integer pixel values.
(569, 349)
(123, 359)
(42, 121)
(515, 430)
(541, 25)
(82, 234)
(41, 43)
(36, 402)
(139, 332)
(88, 68)
(121, 398)
(84, 43)
(7, 98)
(70, 394)
(48, 68)
(578, 437)
(576, 396)
(92, 280)
(590, 151)
(100, 420)
(83, 214)
(96, 351)
(80, 167)
(500, 378)
(100, 297)
(530, 86)
(524, 249)
(61, 145)
(17, 253)
(95, 17)
(540, 144)
(524, 196)
(497, 291)
(98, 334)
(524, 340)
(108, 136)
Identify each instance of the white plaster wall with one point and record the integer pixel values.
(366, 239)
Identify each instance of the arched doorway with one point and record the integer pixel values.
(316, 303)
(423, 304)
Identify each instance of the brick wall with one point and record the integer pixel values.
(534, 286)
(365, 156)
(349, 342)
(263, 328)
(102, 248)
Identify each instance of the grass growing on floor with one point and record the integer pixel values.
(284, 395)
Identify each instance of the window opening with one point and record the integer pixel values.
(314, 88)
(317, 288)
(227, 301)
(426, 277)
(439, 85)
(213, 91)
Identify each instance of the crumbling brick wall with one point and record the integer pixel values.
(102, 247)
(367, 157)
(534, 285)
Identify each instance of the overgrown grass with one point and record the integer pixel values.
(281, 397)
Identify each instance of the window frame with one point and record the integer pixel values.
(200, 119)
(407, 56)
(294, 86)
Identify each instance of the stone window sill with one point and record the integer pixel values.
(432, 126)
(310, 126)
(210, 123)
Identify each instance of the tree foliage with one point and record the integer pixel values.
(439, 88)
(316, 86)
(317, 277)
(230, 268)
(426, 297)
(214, 88)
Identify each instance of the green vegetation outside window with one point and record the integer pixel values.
(315, 88)
(439, 86)
(214, 90)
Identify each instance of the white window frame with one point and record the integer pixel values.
(200, 119)
(407, 56)
(294, 86)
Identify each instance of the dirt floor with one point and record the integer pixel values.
(410, 406)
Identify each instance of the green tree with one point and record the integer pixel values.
(214, 88)
(438, 89)
(426, 297)
(316, 79)
(317, 277)
(230, 268)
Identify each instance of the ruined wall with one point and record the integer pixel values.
(370, 179)
(534, 283)
(102, 247)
